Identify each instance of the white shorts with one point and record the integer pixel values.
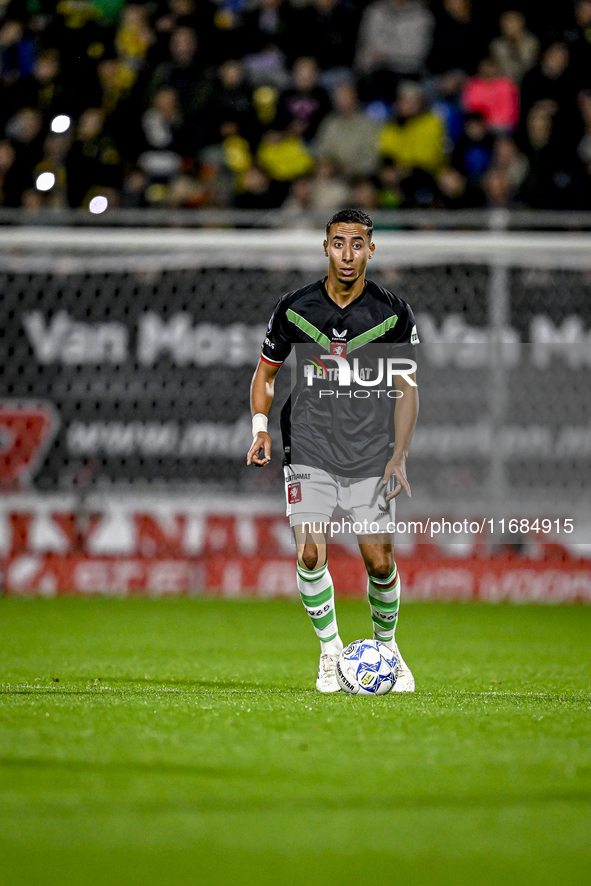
(312, 495)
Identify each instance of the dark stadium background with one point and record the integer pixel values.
(126, 363)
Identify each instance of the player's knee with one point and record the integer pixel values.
(381, 568)
(310, 558)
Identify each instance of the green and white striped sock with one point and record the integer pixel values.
(317, 593)
(384, 600)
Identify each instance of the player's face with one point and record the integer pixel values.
(348, 250)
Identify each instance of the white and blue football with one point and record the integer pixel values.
(366, 667)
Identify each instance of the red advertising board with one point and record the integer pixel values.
(127, 551)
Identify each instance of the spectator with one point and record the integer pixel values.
(182, 13)
(164, 131)
(301, 107)
(257, 191)
(508, 157)
(17, 52)
(418, 189)
(115, 86)
(516, 50)
(388, 179)
(494, 96)
(580, 46)
(55, 152)
(187, 74)
(284, 157)
(270, 23)
(232, 101)
(348, 136)
(134, 38)
(33, 201)
(235, 148)
(456, 192)
(327, 31)
(364, 195)
(415, 138)
(42, 89)
(9, 194)
(556, 179)
(93, 160)
(473, 152)
(133, 189)
(584, 146)
(331, 191)
(497, 188)
(24, 130)
(394, 41)
(299, 204)
(458, 42)
(552, 82)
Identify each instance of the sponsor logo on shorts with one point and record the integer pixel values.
(299, 477)
(294, 493)
(383, 510)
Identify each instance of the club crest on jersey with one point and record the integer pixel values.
(294, 493)
(338, 348)
(338, 345)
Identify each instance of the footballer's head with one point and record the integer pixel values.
(351, 217)
(348, 247)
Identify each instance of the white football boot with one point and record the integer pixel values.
(405, 682)
(327, 674)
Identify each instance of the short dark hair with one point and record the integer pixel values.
(352, 216)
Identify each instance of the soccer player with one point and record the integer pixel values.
(357, 469)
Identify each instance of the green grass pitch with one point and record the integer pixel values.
(182, 742)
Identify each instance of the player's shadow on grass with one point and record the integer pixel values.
(280, 803)
(143, 684)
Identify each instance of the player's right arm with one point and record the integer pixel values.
(262, 391)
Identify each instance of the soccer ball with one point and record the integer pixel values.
(366, 667)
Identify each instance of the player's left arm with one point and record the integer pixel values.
(405, 419)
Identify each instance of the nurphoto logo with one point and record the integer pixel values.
(384, 372)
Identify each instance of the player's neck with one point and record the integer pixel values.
(341, 293)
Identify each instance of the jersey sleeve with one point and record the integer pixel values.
(405, 331)
(277, 343)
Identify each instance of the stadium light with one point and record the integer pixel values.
(61, 123)
(98, 205)
(45, 181)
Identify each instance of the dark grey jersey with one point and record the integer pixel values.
(344, 429)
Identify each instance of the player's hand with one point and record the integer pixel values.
(396, 473)
(261, 441)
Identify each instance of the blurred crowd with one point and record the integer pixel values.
(303, 105)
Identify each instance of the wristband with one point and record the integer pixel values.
(259, 423)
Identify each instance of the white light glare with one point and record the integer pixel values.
(98, 205)
(45, 181)
(61, 123)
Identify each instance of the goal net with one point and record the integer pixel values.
(127, 357)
